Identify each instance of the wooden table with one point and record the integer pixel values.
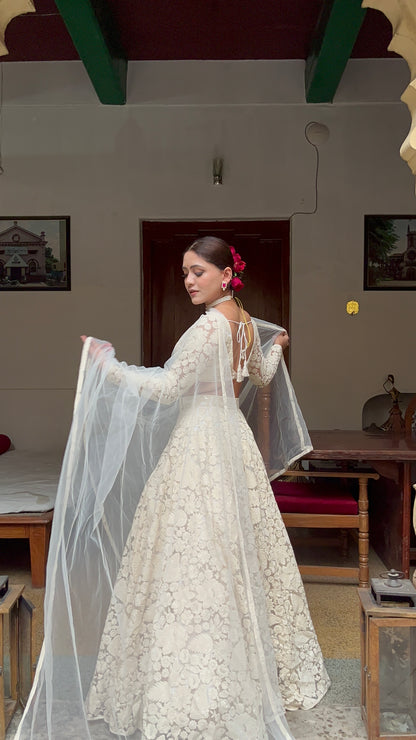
(390, 502)
(36, 527)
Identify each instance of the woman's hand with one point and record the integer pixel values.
(97, 349)
(282, 339)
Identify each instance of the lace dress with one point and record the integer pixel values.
(206, 638)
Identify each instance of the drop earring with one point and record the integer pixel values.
(224, 285)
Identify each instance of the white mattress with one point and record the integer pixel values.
(28, 481)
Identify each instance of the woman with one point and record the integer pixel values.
(175, 606)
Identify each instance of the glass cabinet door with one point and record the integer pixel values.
(393, 675)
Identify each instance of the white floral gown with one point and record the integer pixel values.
(206, 639)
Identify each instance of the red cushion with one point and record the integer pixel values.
(310, 498)
(5, 443)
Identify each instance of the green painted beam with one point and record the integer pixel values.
(333, 41)
(93, 33)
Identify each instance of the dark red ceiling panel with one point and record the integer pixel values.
(40, 36)
(374, 37)
(216, 29)
(194, 29)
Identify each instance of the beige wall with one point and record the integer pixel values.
(110, 167)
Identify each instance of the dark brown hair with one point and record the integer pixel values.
(213, 250)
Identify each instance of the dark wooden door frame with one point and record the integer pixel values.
(247, 236)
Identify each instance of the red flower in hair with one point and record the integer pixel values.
(236, 284)
(238, 268)
(239, 264)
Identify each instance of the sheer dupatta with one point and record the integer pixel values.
(273, 412)
(124, 420)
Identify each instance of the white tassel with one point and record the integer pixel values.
(242, 371)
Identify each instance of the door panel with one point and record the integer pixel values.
(167, 310)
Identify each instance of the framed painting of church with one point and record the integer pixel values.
(390, 252)
(35, 253)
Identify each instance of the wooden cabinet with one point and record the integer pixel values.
(17, 663)
(388, 669)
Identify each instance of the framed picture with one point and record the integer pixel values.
(390, 252)
(34, 253)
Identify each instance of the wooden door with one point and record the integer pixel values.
(167, 310)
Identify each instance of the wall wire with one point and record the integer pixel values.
(315, 146)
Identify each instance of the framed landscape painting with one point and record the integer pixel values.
(390, 252)
(34, 253)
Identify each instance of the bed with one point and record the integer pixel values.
(28, 485)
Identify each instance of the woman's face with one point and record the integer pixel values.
(203, 280)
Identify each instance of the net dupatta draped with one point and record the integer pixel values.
(273, 413)
(168, 433)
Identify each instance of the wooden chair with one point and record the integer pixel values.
(320, 507)
(311, 505)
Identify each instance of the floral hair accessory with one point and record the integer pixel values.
(238, 268)
(236, 283)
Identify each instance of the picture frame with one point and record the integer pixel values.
(390, 252)
(35, 253)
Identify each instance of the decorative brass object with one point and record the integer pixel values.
(395, 421)
(352, 308)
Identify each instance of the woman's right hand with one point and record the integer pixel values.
(97, 349)
(282, 339)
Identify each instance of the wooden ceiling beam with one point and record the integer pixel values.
(94, 34)
(334, 38)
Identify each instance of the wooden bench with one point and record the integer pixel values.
(37, 529)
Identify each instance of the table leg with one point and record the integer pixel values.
(390, 514)
(406, 518)
(363, 537)
(39, 542)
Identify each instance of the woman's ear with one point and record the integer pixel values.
(228, 273)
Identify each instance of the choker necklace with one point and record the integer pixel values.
(219, 300)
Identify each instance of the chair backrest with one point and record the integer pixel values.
(410, 417)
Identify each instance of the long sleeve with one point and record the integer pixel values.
(191, 356)
(263, 367)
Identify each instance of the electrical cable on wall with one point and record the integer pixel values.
(315, 134)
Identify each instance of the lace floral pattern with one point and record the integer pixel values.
(262, 368)
(173, 608)
(178, 656)
(192, 358)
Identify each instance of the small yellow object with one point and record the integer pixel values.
(352, 307)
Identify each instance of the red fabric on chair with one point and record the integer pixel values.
(5, 443)
(309, 498)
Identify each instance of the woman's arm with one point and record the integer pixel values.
(263, 367)
(191, 355)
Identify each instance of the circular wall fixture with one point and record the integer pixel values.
(316, 133)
